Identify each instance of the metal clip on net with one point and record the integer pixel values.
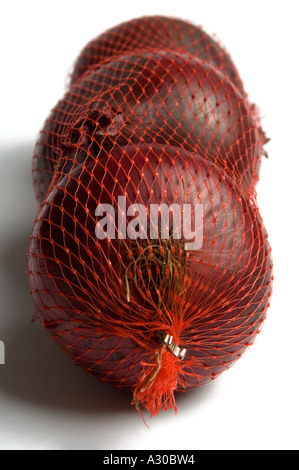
(176, 351)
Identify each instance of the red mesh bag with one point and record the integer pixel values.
(154, 134)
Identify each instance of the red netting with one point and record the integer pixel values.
(155, 116)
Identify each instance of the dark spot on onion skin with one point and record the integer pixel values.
(97, 125)
(110, 126)
(117, 356)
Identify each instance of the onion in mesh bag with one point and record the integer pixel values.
(148, 262)
(109, 303)
(159, 97)
(156, 33)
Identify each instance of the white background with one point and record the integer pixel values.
(45, 401)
